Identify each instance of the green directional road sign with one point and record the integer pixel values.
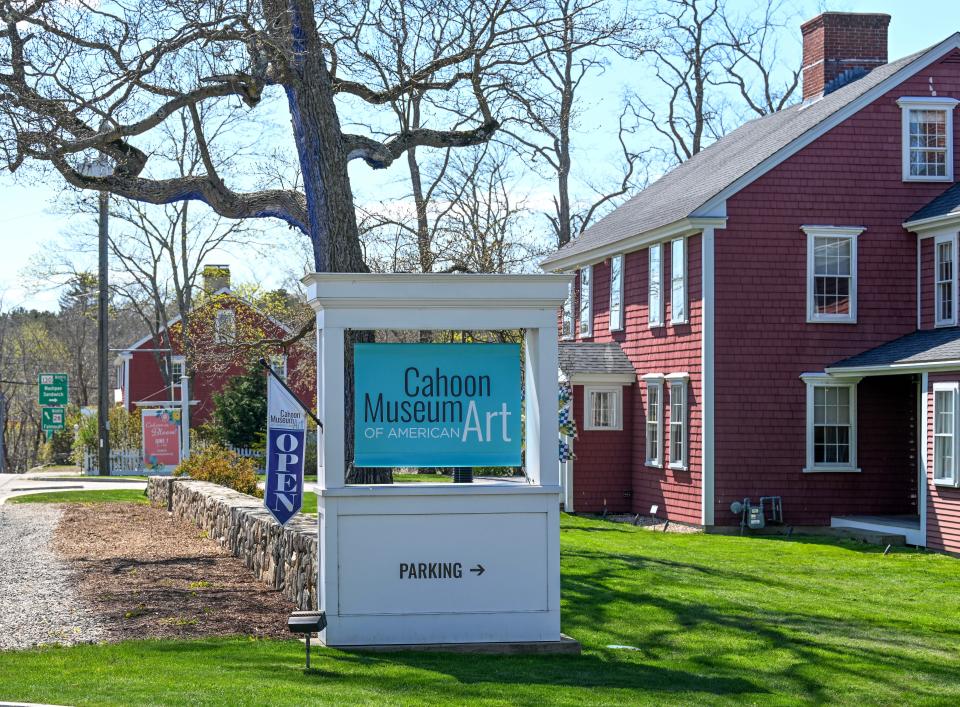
(53, 388)
(53, 419)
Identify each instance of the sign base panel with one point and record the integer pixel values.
(440, 566)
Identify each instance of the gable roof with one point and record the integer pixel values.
(222, 291)
(584, 357)
(929, 346)
(698, 187)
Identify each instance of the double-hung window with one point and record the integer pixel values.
(831, 424)
(832, 273)
(586, 306)
(224, 326)
(678, 421)
(654, 420)
(655, 285)
(616, 293)
(566, 320)
(177, 366)
(927, 138)
(945, 290)
(678, 281)
(945, 434)
(604, 408)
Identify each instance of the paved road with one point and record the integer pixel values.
(38, 482)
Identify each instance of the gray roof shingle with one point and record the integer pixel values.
(588, 357)
(679, 193)
(927, 346)
(944, 205)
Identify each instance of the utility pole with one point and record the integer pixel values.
(103, 344)
(101, 168)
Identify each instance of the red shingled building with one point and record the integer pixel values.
(786, 305)
(140, 382)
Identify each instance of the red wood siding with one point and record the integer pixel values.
(927, 295)
(672, 348)
(601, 470)
(852, 176)
(943, 502)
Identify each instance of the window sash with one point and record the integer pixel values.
(678, 281)
(586, 308)
(616, 293)
(654, 424)
(832, 275)
(224, 326)
(927, 142)
(655, 285)
(831, 426)
(944, 434)
(678, 425)
(945, 276)
(603, 409)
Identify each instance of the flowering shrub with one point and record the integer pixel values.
(222, 466)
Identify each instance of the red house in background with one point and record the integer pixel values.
(778, 315)
(140, 381)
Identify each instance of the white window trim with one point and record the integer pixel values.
(954, 388)
(654, 380)
(937, 321)
(567, 313)
(815, 380)
(813, 232)
(618, 324)
(588, 331)
(925, 103)
(655, 322)
(686, 299)
(680, 381)
(617, 392)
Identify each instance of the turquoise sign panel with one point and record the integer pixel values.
(422, 405)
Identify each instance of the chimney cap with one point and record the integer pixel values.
(823, 17)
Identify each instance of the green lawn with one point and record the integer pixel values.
(98, 496)
(715, 620)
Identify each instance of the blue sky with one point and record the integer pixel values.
(29, 224)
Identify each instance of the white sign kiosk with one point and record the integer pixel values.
(440, 563)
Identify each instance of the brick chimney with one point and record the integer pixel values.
(215, 278)
(841, 45)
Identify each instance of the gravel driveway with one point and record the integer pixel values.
(37, 601)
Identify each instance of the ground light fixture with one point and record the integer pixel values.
(307, 622)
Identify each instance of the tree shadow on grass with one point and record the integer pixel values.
(823, 650)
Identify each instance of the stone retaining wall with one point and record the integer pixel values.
(284, 558)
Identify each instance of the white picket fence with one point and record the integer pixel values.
(122, 462)
(125, 462)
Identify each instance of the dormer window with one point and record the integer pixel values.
(927, 138)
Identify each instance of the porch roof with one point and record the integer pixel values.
(581, 359)
(946, 204)
(930, 348)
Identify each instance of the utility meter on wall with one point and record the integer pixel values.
(755, 518)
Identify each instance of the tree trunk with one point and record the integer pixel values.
(332, 221)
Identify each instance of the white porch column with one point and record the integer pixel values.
(330, 398)
(542, 434)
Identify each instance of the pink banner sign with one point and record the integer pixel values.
(161, 438)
